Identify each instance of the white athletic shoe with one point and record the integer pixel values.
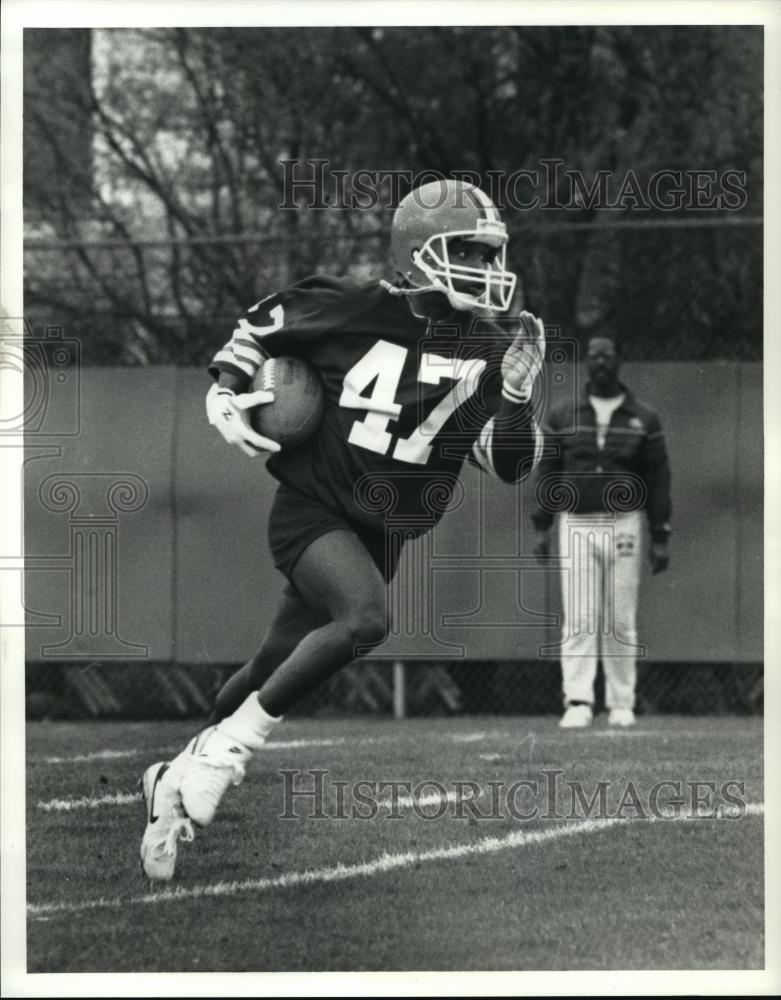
(621, 717)
(166, 823)
(576, 717)
(208, 767)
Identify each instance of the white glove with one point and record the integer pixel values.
(229, 413)
(523, 359)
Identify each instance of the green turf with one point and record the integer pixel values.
(640, 894)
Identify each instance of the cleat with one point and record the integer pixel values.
(167, 823)
(576, 717)
(621, 717)
(210, 765)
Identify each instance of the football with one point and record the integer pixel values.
(297, 407)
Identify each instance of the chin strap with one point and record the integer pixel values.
(412, 290)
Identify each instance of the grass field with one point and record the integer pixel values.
(424, 881)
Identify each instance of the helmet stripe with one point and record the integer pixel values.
(482, 199)
(469, 191)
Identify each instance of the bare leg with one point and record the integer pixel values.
(294, 620)
(339, 583)
(337, 576)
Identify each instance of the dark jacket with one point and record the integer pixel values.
(631, 471)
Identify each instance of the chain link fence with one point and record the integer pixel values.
(688, 289)
(408, 689)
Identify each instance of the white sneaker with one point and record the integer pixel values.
(209, 765)
(166, 823)
(621, 717)
(576, 717)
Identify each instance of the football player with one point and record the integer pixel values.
(420, 375)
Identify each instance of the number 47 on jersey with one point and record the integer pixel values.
(382, 366)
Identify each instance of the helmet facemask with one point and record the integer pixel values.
(493, 285)
(426, 227)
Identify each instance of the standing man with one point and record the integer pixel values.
(599, 472)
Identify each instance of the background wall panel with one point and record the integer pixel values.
(99, 539)
(195, 584)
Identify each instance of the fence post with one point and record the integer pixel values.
(399, 693)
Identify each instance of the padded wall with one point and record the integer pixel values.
(183, 573)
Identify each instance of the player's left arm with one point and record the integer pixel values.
(511, 443)
(656, 473)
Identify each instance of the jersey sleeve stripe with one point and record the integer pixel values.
(251, 345)
(248, 354)
(478, 460)
(228, 357)
(539, 444)
(481, 449)
(513, 395)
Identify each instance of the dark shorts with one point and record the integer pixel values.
(296, 520)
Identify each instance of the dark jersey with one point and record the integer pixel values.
(629, 470)
(407, 401)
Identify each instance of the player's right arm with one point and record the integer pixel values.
(234, 366)
(237, 362)
(287, 322)
(283, 323)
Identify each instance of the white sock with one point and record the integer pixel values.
(250, 724)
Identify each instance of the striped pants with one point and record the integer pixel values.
(601, 559)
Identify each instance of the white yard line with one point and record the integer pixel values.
(89, 802)
(341, 873)
(515, 737)
(128, 798)
(83, 758)
(422, 801)
(166, 751)
(274, 745)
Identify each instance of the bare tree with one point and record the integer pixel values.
(159, 176)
